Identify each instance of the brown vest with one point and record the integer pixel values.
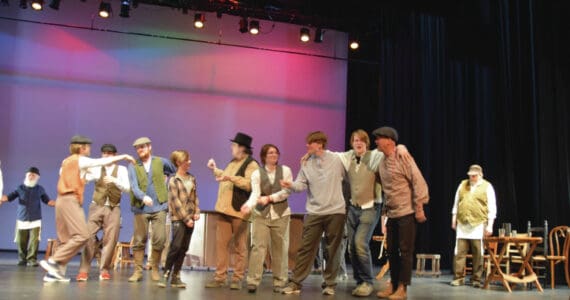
(70, 181)
(107, 191)
(267, 189)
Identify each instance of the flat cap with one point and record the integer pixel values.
(387, 132)
(109, 148)
(141, 141)
(80, 139)
(475, 170)
(33, 170)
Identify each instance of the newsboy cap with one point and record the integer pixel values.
(80, 139)
(475, 170)
(387, 132)
(33, 170)
(109, 148)
(141, 141)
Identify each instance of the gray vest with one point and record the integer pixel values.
(362, 182)
(267, 189)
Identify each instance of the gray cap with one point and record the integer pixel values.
(475, 170)
(80, 139)
(141, 141)
(387, 132)
(109, 148)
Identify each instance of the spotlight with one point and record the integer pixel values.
(354, 44)
(243, 25)
(254, 27)
(23, 4)
(54, 4)
(199, 20)
(37, 4)
(304, 35)
(319, 33)
(104, 9)
(125, 9)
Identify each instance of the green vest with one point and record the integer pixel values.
(158, 180)
(105, 191)
(472, 206)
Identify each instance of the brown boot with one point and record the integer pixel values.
(138, 256)
(155, 260)
(385, 293)
(400, 293)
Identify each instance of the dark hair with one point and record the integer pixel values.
(265, 149)
(318, 137)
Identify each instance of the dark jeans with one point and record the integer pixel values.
(401, 243)
(181, 235)
(361, 224)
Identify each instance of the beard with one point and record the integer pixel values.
(31, 183)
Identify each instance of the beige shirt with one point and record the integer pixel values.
(225, 191)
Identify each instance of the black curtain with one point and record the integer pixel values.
(472, 82)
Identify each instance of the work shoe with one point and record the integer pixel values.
(22, 263)
(328, 291)
(33, 263)
(177, 283)
(385, 293)
(215, 284)
(363, 290)
(235, 285)
(52, 268)
(48, 278)
(251, 288)
(476, 284)
(82, 276)
(104, 276)
(399, 294)
(291, 288)
(457, 282)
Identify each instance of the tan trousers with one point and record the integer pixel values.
(71, 228)
(141, 222)
(463, 246)
(230, 229)
(265, 233)
(108, 219)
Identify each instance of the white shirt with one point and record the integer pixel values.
(122, 176)
(275, 197)
(466, 231)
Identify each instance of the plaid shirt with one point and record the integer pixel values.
(182, 204)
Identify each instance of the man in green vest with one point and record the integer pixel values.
(149, 203)
(473, 214)
(104, 213)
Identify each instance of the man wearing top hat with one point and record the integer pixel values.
(104, 213)
(70, 222)
(149, 203)
(233, 192)
(473, 213)
(29, 223)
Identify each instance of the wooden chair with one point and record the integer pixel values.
(50, 248)
(468, 269)
(538, 260)
(515, 254)
(559, 245)
(122, 255)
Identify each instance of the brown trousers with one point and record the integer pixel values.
(106, 218)
(463, 246)
(71, 228)
(230, 229)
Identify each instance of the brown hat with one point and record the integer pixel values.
(387, 132)
(475, 170)
(141, 141)
(242, 139)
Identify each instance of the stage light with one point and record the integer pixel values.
(23, 4)
(254, 27)
(37, 4)
(104, 9)
(304, 35)
(354, 44)
(319, 33)
(243, 25)
(125, 9)
(54, 4)
(199, 20)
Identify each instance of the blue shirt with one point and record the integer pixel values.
(29, 201)
(168, 169)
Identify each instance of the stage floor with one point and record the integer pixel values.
(26, 283)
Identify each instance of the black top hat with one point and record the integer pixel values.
(243, 139)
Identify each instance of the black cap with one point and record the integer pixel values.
(109, 148)
(33, 170)
(243, 139)
(387, 132)
(80, 139)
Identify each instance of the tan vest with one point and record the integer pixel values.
(362, 183)
(267, 189)
(105, 191)
(70, 181)
(472, 206)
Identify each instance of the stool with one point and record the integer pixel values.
(421, 264)
(122, 255)
(50, 248)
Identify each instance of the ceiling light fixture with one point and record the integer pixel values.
(319, 33)
(304, 34)
(199, 20)
(104, 10)
(125, 9)
(37, 4)
(243, 25)
(54, 4)
(254, 27)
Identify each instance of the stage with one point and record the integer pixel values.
(26, 283)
